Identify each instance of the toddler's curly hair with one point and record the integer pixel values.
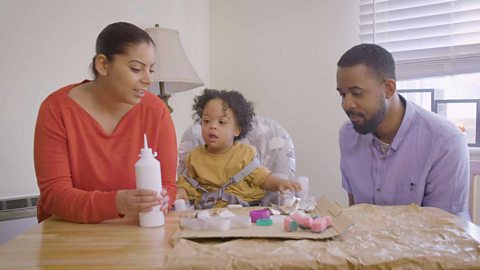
(241, 108)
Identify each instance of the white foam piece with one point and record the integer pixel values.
(219, 224)
(194, 224)
(203, 214)
(234, 206)
(240, 222)
(226, 214)
(277, 219)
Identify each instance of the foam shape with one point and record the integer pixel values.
(290, 224)
(264, 222)
(305, 222)
(298, 216)
(194, 224)
(240, 222)
(203, 214)
(219, 224)
(226, 214)
(259, 214)
(277, 219)
(234, 206)
(319, 225)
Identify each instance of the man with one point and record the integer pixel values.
(394, 152)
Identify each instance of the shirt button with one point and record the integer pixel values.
(378, 189)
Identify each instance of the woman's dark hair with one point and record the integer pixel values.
(374, 57)
(115, 39)
(234, 100)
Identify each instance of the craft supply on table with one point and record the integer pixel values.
(180, 205)
(148, 176)
(259, 214)
(264, 222)
(290, 224)
(306, 222)
(217, 220)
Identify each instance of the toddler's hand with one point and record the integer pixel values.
(182, 194)
(289, 185)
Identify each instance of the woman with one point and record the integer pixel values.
(88, 135)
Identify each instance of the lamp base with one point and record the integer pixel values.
(165, 97)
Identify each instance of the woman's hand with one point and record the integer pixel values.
(163, 199)
(133, 201)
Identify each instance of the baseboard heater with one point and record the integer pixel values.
(18, 208)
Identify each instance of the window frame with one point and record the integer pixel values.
(477, 119)
(422, 90)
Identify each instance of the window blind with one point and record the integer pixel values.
(426, 37)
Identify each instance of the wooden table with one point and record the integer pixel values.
(116, 244)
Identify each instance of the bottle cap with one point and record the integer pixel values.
(145, 151)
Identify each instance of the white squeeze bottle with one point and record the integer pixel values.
(149, 176)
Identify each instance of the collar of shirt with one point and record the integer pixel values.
(407, 121)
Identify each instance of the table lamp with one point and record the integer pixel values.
(173, 71)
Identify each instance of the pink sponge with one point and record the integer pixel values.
(321, 224)
(304, 221)
(290, 224)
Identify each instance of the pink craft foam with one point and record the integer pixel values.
(305, 222)
(297, 217)
(290, 225)
(259, 214)
(319, 225)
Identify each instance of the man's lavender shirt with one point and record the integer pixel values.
(427, 164)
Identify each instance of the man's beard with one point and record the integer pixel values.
(370, 125)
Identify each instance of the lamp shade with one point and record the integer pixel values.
(171, 63)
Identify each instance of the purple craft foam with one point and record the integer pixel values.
(259, 214)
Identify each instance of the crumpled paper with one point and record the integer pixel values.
(383, 237)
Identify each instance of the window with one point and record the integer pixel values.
(458, 112)
(454, 97)
(436, 45)
(422, 97)
(426, 37)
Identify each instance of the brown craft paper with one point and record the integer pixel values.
(324, 207)
(382, 237)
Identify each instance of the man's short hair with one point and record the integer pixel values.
(376, 58)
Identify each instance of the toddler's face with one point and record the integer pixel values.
(219, 127)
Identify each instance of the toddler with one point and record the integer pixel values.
(225, 171)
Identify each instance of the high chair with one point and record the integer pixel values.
(272, 142)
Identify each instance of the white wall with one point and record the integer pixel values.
(282, 55)
(47, 44)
